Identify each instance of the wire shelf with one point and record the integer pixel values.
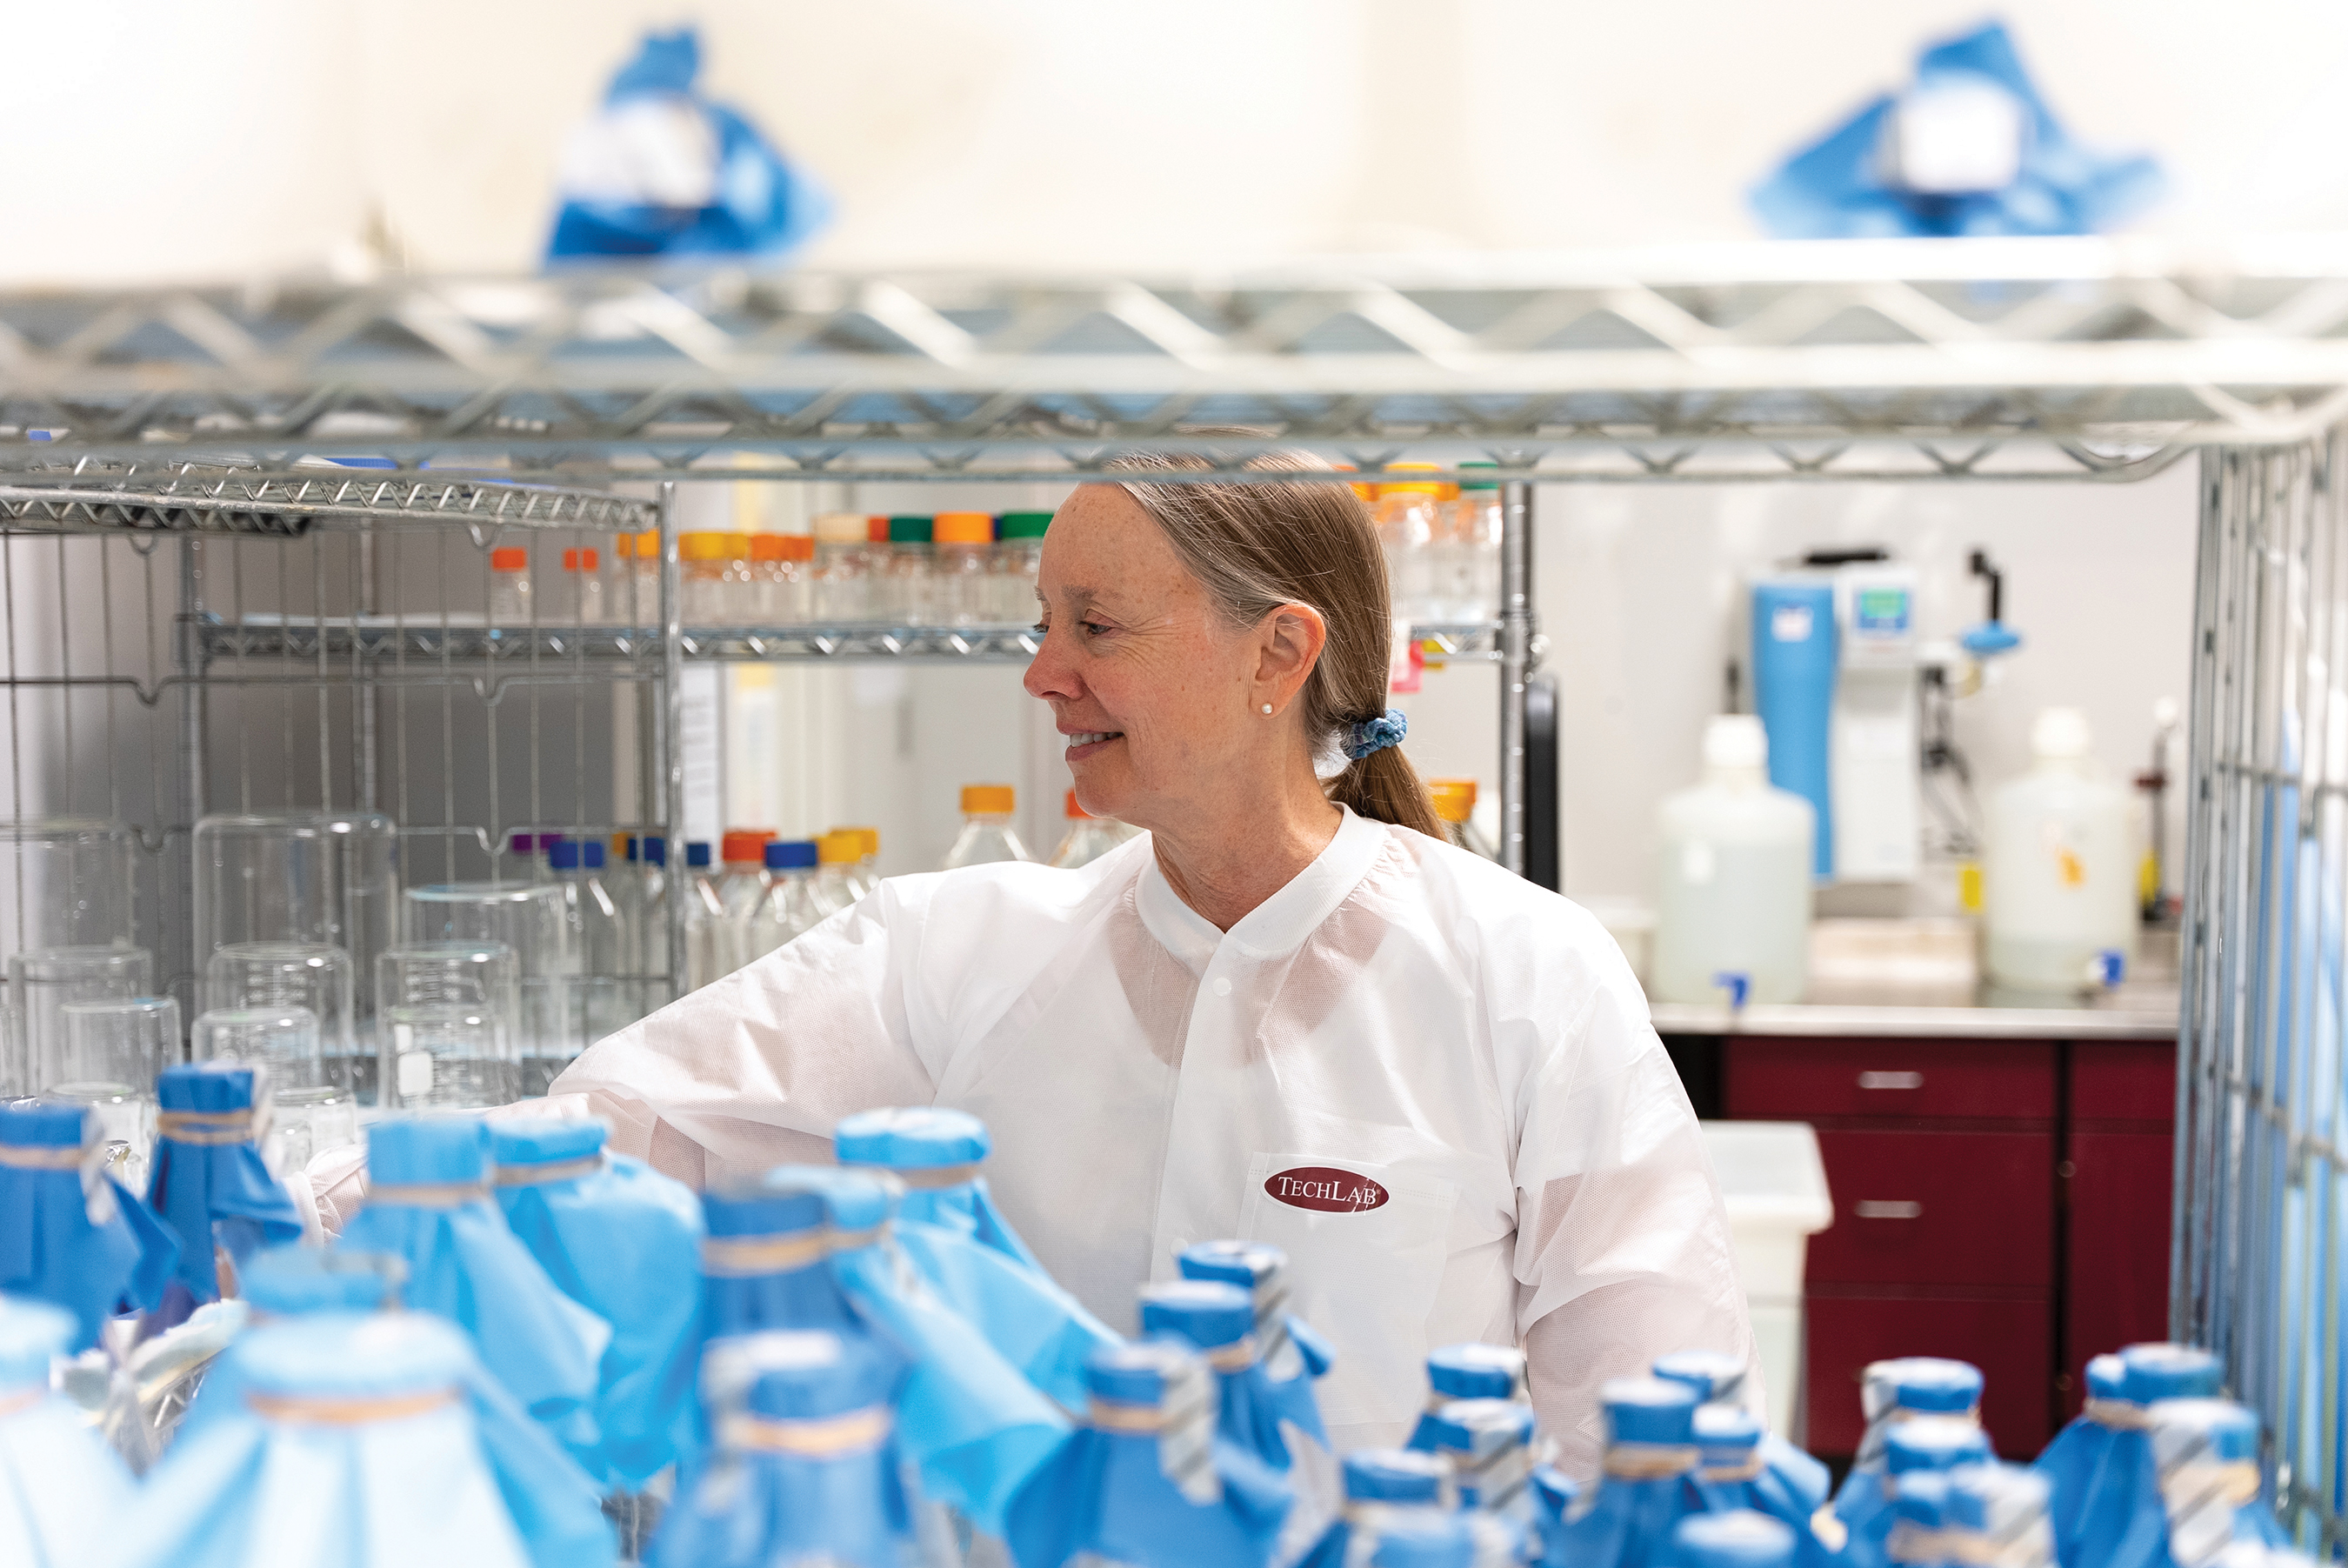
(187, 497)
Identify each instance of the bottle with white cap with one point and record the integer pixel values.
(2058, 879)
(1733, 880)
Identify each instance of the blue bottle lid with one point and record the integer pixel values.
(570, 854)
(354, 1353)
(1733, 1538)
(1933, 1442)
(289, 1280)
(801, 1375)
(911, 1138)
(2170, 1372)
(1477, 1372)
(1725, 1433)
(1713, 1374)
(696, 854)
(1648, 1410)
(1394, 1475)
(208, 1086)
(652, 847)
(2229, 1431)
(1246, 1264)
(753, 1209)
(2107, 1377)
(1928, 1385)
(427, 1151)
(1208, 1313)
(790, 855)
(1137, 1373)
(536, 1139)
(593, 851)
(853, 1200)
(1920, 1497)
(33, 1332)
(1423, 1538)
(1478, 1426)
(1983, 1495)
(44, 1124)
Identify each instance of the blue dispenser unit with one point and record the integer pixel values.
(1795, 657)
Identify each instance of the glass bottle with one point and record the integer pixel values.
(638, 585)
(782, 585)
(905, 585)
(1469, 573)
(1405, 521)
(960, 588)
(843, 580)
(790, 904)
(1018, 555)
(583, 589)
(742, 882)
(1455, 802)
(598, 934)
(840, 853)
(509, 597)
(986, 832)
(1089, 837)
(868, 864)
(715, 578)
(709, 952)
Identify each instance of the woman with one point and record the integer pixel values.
(1291, 1012)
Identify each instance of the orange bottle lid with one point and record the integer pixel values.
(989, 799)
(1076, 810)
(712, 546)
(1455, 798)
(876, 530)
(741, 845)
(963, 528)
(796, 546)
(508, 558)
(1412, 486)
(581, 560)
(766, 547)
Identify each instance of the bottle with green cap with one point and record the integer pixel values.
(1018, 555)
(907, 577)
(1466, 551)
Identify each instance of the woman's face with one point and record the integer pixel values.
(1158, 695)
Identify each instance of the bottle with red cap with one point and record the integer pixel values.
(1089, 837)
(583, 588)
(743, 881)
(636, 587)
(986, 832)
(510, 600)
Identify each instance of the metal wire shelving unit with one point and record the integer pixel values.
(225, 422)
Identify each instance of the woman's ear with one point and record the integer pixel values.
(1290, 640)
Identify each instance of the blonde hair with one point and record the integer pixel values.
(1257, 545)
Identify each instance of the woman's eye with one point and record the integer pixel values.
(1092, 628)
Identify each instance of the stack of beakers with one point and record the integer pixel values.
(530, 922)
(67, 929)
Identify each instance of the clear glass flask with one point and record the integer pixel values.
(284, 1039)
(43, 981)
(449, 1055)
(479, 974)
(986, 834)
(312, 975)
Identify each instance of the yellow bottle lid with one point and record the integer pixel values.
(989, 799)
(870, 836)
(645, 544)
(1412, 486)
(840, 847)
(712, 546)
(1455, 798)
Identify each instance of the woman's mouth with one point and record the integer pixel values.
(1084, 742)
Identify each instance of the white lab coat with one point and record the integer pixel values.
(1459, 1061)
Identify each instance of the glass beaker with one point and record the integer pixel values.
(125, 1127)
(448, 1054)
(304, 1123)
(65, 882)
(312, 975)
(530, 918)
(283, 1039)
(114, 1052)
(42, 981)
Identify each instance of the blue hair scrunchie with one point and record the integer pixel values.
(1376, 733)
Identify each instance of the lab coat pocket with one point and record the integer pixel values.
(1366, 1246)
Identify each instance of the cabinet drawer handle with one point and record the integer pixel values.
(1891, 1080)
(1888, 1209)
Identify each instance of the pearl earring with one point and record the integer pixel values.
(1267, 710)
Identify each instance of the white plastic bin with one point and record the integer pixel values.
(1776, 1188)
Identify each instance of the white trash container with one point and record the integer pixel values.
(1774, 1185)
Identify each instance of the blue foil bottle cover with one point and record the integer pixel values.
(1377, 1482)
(807, 1467)
(1147, 1481)
(289, 1281)
(69, 1233)
(948, 1227)
(209, 1182)
(624, 1241)
(1732, 1473)
(1871, 1515)
(429, 1204)
(1738, 1538)
(343, 1411)
(1293, 1355)
(1996, 1515)
(1646, 1482)
(1466, 1372)
(2206, 1452)
(2105, 1506)
(1919, 1514)
(63, 1492)
(1891, 1392)
(1718, 1377)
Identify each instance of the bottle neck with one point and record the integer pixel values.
(1736, 777)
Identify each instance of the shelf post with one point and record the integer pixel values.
(1517, 627)
(670, 732)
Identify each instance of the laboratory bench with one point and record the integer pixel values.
(1999, 1168)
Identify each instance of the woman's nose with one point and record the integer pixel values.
(1050, 676)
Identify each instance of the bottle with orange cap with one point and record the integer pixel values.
(986, 835)
(1089, 837)
(842, 569)
(636, 590)
(713, 578)
(510, 593)
(905, 579)
(782, 579)
(1455, 803)
(744, 882)
(958, 586)
(583, 588)
(1466, 557)
(1406, 513)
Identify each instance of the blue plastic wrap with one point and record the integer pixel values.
(288, 1282)
(1466, 1372)
(1719, 1378)
(1732, 1471)
(2207, 1455)
(624, 1241)
(68, 1233)
(1146, 1482)
(365, 1443)
(1865, 1509)
(429, 1204)
(1919, 1501)
(1996, 1514)
(209, 1184)
(1646, 1485)
(1844, 186)
(63, 1492)
(1732, 1539)
(2106, 1509)
(807, 1463)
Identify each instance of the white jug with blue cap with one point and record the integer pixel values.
(1646, 1484)
(62, 1491)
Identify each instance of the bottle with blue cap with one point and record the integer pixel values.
(789, 904)
(1646, 1482)
(1866, 1514)
(973, 1428)
(1466, 1372)
(290, 1282)
(1489, 1443)
(1733, 1473)
(210, 1183)
(1378, 1482)
(1891, 1392)
(1733, 1538)
(2205, 1452)
(1219, 1321)
(711, 951)
(806, 1466)
(1290, 1354)
(1718, 1377)
(599, 937)
(1995, 1516)
(361, 1444)
(69, 1233)
(1145, 1481)
(948, 1227)
(429, 1205)
(63, 1492)
(2104, 1503)
(646, 909)
(624, 1241)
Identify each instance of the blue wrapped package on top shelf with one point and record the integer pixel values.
(806, 1467)
(69, 1233)
(624, 1241)
(2207, 1454)
(948, 1226)
(2105, 1507)
(1719, 1378)
(209, 1184)
(1147, 1481)
(1646, 1482)
(63, 1492)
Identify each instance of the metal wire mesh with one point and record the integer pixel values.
(2261, 1194)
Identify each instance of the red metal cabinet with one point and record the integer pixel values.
(2117, 1170)
(1899, 1080)
(1957, 1209)
(2009, 1341)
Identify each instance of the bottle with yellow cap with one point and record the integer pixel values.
(1455, 803)
(1406, 512)
(866, 874)
(1089, 837)
(839, 855)
(961, 593)
(1467, 555)
(905, 596)
(782, 579)
(636, 592)
(986, 833)
(842, 568)
(715, 578)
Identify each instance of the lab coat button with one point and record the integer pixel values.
(1222, 986)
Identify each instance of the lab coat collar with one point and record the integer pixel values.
(1281, 923)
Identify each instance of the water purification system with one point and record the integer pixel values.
(1835, 672)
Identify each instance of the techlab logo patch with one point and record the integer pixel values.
(1326, 1189)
